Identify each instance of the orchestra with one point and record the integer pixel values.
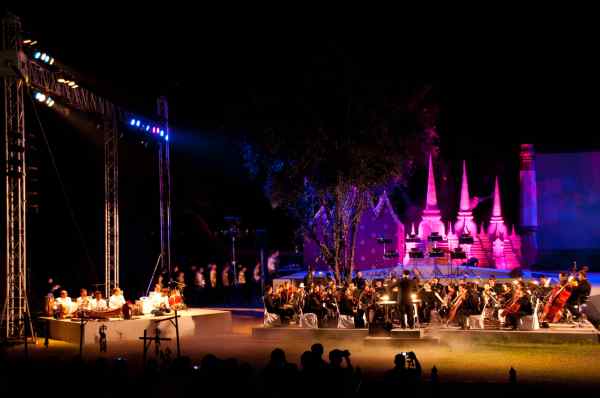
(410, 301)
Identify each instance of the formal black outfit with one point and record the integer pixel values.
(525, 308)
(405, 304)
(360, 283)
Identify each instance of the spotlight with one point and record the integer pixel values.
(51, 61)
(137, 123)
(43, 57)
(162, 133)
(50, 102)
(75, 86)
(61, 80)
(40, 97)
(132, 122)
(71, 84)
(37, 55)
(148, 127)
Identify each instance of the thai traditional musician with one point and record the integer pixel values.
(84, 302)
(99, 304)
(116, 300)
(64, 305)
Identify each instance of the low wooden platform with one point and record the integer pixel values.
(192, 322)
(584, 333)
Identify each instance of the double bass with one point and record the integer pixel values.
(553, 310)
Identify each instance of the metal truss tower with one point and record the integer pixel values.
(164, 172)
(16, 317)
(111, 204)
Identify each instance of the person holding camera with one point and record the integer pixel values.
(341, 377)
(406, 371)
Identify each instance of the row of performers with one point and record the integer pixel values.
(410, 302)
(158, 301)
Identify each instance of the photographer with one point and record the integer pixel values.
(340, 374)
(406, 371)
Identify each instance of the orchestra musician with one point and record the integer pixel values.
(428, 302)
(518, 306)
(579, 295)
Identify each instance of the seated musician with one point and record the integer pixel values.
(366, 304)
(315, 303)
(116, 299)
(84, 302)
(272, 304)
(518, 307)
(175, 300)
(161, 302)
(347, 304)
(64, 304)
(580, 294)
(98, 303)
(428, 302)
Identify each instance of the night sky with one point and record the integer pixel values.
(220, 73)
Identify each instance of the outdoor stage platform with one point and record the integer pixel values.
(192, 322)
(556, 334)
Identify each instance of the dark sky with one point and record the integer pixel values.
(494, 92)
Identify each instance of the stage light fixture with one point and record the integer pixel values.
(51, 61)
(37, 55)
(167, 137)
(132, 122)
(39, 96)
(162, 133)
(147, 127)
(50, 102)
(71, 83)
(137, 123)
(75, 86)
(61, 80)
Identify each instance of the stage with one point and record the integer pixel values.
(585, 333)
(191, 322)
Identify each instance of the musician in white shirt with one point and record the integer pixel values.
(116, 300)
(98, 303)
(84, 302)
(67, 305)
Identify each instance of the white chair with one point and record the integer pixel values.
(271, 319)
(475, 322)
(530, 322)
(309, 320)
(345, 322)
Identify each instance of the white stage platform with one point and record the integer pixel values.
(192, 322)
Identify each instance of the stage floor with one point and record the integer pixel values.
(556, 334)
(191, 322)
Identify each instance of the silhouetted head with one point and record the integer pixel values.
(278, 355)
(317, 349)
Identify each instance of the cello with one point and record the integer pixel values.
(553, 310)
(460, 298)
